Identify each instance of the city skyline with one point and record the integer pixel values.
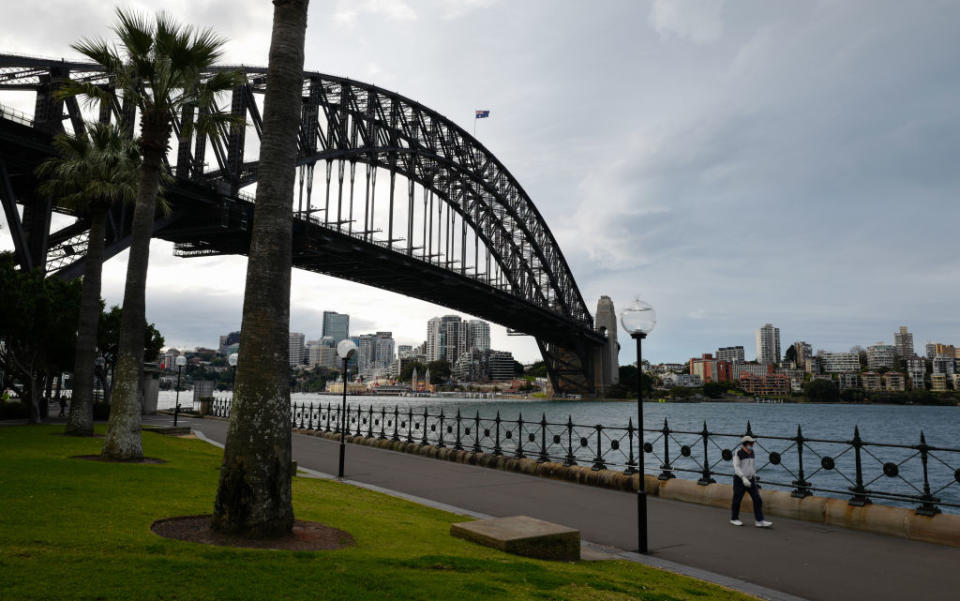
(730, 171)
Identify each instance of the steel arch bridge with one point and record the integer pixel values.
(448, 223)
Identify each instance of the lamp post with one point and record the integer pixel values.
(181, 361)
(346, 349)
(639, 320)
(232, 360)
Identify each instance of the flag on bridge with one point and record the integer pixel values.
(482, 114)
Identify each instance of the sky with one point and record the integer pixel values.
(731, 163)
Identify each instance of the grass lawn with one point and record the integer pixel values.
(73, 529)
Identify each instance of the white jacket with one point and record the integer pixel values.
(743, 464)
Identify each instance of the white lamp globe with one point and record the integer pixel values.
(639, 318)
(181, 361)
(232, 359)
(346, 348)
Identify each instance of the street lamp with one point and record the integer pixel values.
(638, 320)
(181, 361)
(346, 349)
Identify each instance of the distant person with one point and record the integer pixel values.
(745, 480)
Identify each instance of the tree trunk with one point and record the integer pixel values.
(254, 497)
(80, 422)
(123, 440)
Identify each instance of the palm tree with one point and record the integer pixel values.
(91, 173)
(159, 67)
(254, 496)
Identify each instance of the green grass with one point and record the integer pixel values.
(72, 529)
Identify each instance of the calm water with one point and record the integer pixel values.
(887, 424)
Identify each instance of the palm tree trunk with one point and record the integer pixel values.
(80, 422)
(123, 441)
(254, 497)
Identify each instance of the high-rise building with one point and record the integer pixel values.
(296, 348)
(384, 349)
(478, 335)
(881, 355)
(432, 345)
(730, 353)
(804, 351)
(453, 338)
(917, 371)
(404, 351)
(903, 341)
(768, 345)
(336, 325)
(366, 352)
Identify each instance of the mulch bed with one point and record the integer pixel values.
(107, 460)
(307, 536)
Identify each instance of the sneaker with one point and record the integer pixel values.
(736, 522)
(764, 524)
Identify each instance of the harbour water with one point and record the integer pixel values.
(886, 424)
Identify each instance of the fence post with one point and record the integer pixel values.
(440, 444)
(544, 456)
(631, 463)
(598, 463)
(383, 423)
(396, 422)
(425, 441)
(667, 469)
(518, 453)
(370, 421)
(705, 478)
(802, 486)
(458, 445)
(410, 424)
(859, 498)
(359, 420)
(928, 506)
(570, 459)
(496, 442)
(476, 434)
(327, 428)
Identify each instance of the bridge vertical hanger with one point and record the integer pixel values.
(185, 136)
(236, 138)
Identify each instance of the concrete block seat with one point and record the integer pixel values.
(522, 535)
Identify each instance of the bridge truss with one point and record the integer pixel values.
(448, 223)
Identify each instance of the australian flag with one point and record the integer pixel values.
(482, 114)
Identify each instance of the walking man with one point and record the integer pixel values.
(745, 480)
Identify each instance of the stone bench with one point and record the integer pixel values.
(522, 535)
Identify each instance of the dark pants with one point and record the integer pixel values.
(738, 490)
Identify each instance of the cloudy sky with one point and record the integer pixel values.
(733, 163)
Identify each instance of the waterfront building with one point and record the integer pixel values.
(847, 381)
(917, 371)
(893, 381)
(944, 365)
(478, 335)
(768, 345)
(944, 350)
(938, 382)
(795, 375)
(453, 338)
(336, 325)
(812, 365)
(956, 381)
(903, 340)
(321, 355)
(835, 363)
(766, 385)
(710, 369)
(871, 381)
(404, 350)
(296, 348)
(730, 354)
(881, 355)
(750, 367)
(484, 366)
(684, 380)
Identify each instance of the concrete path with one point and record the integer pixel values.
(812, 561)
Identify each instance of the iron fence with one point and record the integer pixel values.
(920, 475)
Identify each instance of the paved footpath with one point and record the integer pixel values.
(811, 561)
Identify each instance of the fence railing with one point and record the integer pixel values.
(922, 475)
